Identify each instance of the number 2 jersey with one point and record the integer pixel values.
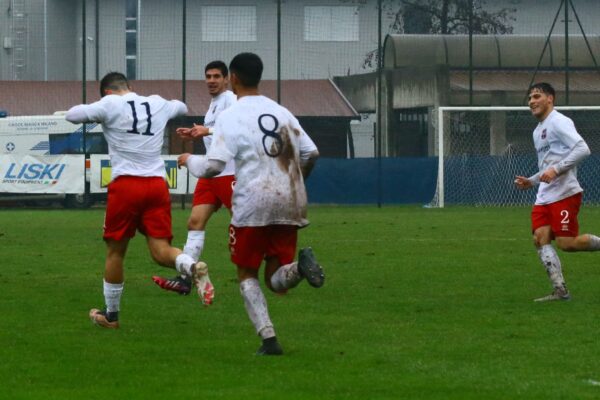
(267, 143)
(134, 127)
(558, 145)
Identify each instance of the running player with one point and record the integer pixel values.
(138, 196)
(210, 193)
(272, 156)
(560, 149)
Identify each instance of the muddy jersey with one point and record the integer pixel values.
(554, 138)
(266, 142)
(134, 127)
(218, 104)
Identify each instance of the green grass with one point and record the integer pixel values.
(418, 304)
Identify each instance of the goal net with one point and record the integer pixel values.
(482, 149)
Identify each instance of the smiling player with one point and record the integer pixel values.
(554, 216)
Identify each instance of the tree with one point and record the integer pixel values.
(442, 17)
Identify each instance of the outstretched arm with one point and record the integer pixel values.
(201, 166)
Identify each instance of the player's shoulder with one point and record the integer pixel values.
(230, 96)
(558, 119)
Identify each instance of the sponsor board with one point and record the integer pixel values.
(42, 174)
(100, 170)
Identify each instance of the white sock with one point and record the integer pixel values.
(256, 307)
(594, 243)
(112, 296)
(183, 264)
(194, 244)
(286, 277)
(551, 262)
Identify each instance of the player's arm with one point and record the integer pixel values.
(95, 112)
(523, 182)
(201, 166)
(569, 136)
(308, 151)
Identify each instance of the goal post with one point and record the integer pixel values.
(481, 149)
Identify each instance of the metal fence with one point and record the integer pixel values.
(359, 92)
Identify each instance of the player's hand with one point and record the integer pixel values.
(185, 133)
(548, 175)
(182, 159)
(522, 182)
(199, 131)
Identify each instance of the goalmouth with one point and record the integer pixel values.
(481, 149)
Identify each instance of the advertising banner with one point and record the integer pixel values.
(42, 174)
(100, 174)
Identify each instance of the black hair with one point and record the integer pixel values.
(218, 64)
(113, 81)
(543, 87)
(248, 67)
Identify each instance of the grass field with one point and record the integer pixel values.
(418, 304)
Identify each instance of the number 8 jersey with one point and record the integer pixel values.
(267, 143)
(134, 127)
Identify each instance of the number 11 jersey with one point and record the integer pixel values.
(267, 143)
(134, 127)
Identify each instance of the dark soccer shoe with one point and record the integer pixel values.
(270, 347)
(177, 284)
(309, 268)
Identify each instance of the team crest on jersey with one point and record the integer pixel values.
(544, 134)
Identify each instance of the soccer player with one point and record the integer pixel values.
(554, 216)
(210, 194)
(138, 196)
(272, 156)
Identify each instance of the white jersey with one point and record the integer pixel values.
(134, 127)
(218, 104)
(554, 138)
(267, 142)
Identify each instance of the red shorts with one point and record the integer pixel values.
(216, 191)
(135, 202)
(250, 245)
(561, 216)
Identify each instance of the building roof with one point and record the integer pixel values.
(489, 51)
(518, 81)
(304, 98)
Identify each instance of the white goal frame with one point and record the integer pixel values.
(440, 135)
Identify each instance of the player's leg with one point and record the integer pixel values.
(543, 233)
(120, 224)
(195, 271)
(155, 223)
(247, 246)
(281, 272)
(567, 233)
(113, 284)
(585, 242)
(204, 204)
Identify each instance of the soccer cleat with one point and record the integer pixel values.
(270, 347)
(178, 284)
(100, 318)
(557, 294)
(309, 268)
(204, 286)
